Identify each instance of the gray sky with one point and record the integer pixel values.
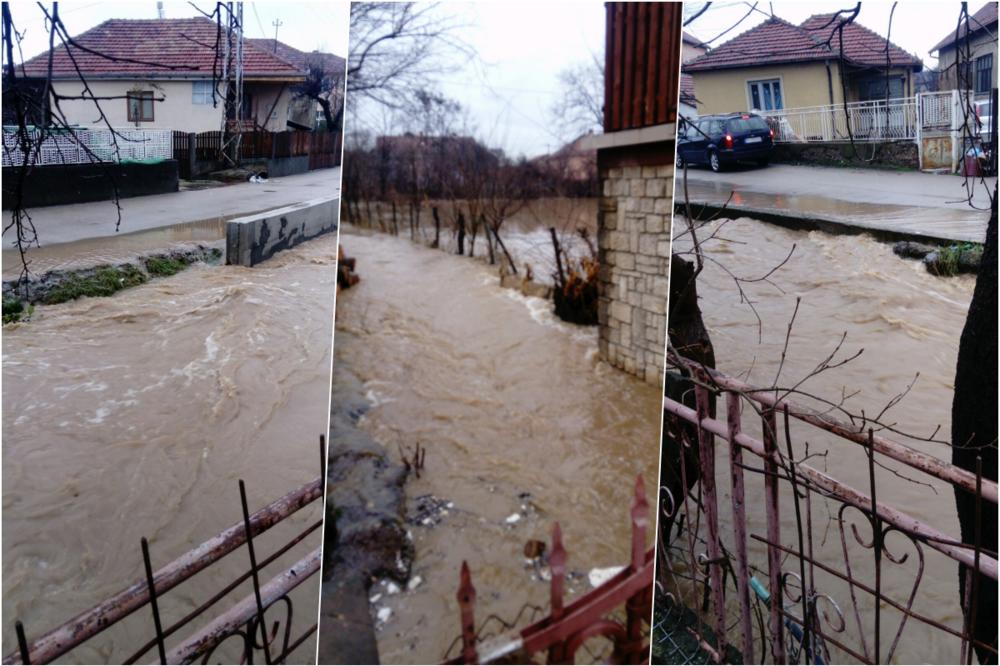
(509, 89)
(916, 26)
(305, 25)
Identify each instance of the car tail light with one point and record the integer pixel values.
(729, 141)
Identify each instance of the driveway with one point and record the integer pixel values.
(900, 202)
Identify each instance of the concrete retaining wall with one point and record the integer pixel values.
(60, 184)
(255, 238)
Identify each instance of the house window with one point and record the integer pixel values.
(201, 92)
(140, 106)
(766, 95)
(984, 73)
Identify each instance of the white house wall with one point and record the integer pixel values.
(175, 112)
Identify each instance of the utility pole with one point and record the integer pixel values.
(232, 75)
(277, 24)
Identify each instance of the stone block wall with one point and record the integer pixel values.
(634, 247)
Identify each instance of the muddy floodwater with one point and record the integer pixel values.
(523, 426)
(525, 233)
(135, 415)
(908, 322)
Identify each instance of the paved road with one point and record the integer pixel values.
(914, 203)
(67, 224)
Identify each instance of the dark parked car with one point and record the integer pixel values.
(725, 139)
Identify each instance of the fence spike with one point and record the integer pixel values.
(466, 603)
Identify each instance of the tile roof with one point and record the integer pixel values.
(983, 18)
(687, 90)
(776, 41)
(301, 59)
(862, 45)
(160, 48)
(773, 41)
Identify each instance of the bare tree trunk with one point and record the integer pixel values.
(461, 233)
(489, 241)
(395, 224)
(560, 275)
(974, 434)
(503, 247)
(475, 229)
(368, 210)
(437, 227)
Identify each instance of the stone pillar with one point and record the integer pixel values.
(634, 245)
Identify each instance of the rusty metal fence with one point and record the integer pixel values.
(748, 592)
(258, 627)
(616, 613)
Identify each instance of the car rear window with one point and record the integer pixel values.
(747, 124)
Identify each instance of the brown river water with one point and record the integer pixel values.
(525, 233)
(135, 415)
(907, 321)
(507, 400)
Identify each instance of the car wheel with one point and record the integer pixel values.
(713, 161)
(679, 162)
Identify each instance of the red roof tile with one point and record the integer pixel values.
(773, 41)
(161, 48)
(301, 59)
(776, 41)
(687, 90)
(862, 46)
(986, 16)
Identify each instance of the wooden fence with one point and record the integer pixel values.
(322, 148)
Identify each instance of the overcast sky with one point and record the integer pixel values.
(305, 25)
(916, 26)
(510, 87)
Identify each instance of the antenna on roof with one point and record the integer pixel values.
(159, 11)
(277, 24)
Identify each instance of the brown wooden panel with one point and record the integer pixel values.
(642, 63)
(629, 48)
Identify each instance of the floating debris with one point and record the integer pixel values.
(598, 576)
(428, 510)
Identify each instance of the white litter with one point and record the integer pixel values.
(374, 599)
(513, 518)
(384, 614)
(598, 576)
(391, 588)
(414, 582)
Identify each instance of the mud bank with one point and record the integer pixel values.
(365, 534)
(59, 286)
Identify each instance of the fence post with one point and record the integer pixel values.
(192, 153)
(706, 454)
(557, 567)
(636, 609)
(770, 432)
(739, 523)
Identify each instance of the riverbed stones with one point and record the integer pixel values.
(634, 249)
